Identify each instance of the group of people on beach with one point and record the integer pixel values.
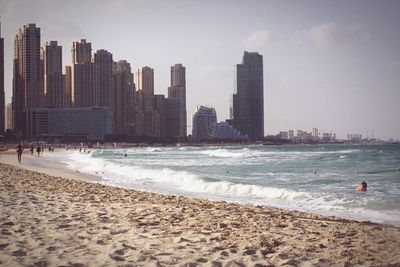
(39, 149)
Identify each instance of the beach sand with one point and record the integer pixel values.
(57, 221)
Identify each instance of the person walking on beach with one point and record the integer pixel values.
(19, 149)
(38, 150)
(32, 149)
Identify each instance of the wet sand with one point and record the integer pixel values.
(58, 221)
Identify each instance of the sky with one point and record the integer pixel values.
(331, 65)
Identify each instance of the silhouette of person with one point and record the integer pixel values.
(19, 149)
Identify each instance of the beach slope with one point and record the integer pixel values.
(48, 221)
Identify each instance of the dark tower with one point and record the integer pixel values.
(247, 110)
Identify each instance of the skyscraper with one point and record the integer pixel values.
(55, 96)
(147, 118)
(247, 110)
(2, 96)
(104, 60)
(124, 91)
(28, 73)
(85, 76)
(176, 126)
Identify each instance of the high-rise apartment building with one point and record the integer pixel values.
(177, 123)
(247, 110)
(85, 76)
(81, 52)
(203, 120)
(55, 96)
(144, 80)
(2, 94)
(124, 93)
(28, 73)
(104, 60)
(147, 119)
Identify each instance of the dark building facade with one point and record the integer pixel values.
(247, 107)
(85, 76)
(177, 92)
(2, 96)
(53, 78)
(124, 92)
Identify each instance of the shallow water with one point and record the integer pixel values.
(280, 176)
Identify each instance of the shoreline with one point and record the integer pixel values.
(71, 219)
(52, 167)
(45, 165)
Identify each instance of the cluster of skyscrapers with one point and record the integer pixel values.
(48, 101)
(93, 83)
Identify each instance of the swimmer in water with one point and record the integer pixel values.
(362, 187)
(125, 155)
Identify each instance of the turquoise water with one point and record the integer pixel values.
(320, 179)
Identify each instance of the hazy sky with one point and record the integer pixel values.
(333, 65)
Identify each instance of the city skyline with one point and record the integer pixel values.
(335, 70)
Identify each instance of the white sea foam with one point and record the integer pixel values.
(224, 153)
(161, 173)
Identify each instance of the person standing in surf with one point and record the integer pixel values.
(38, 150)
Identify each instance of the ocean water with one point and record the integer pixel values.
(318, 178)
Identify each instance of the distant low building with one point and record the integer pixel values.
(328, 137)
(303, 136)
(83, 123)
(354, 137)
(291, 134)
(223, 130)
(283, 135)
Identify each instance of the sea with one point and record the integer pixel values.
(314, 178)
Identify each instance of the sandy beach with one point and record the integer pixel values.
(53, 217)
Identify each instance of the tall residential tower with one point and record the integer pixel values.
(104, 61)
(54, 88)
(124, 92)
(85, 76)
(28, 74)
(247, 109)
(176, 103)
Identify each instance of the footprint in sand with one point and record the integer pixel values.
(40, 263)
(19, 253)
